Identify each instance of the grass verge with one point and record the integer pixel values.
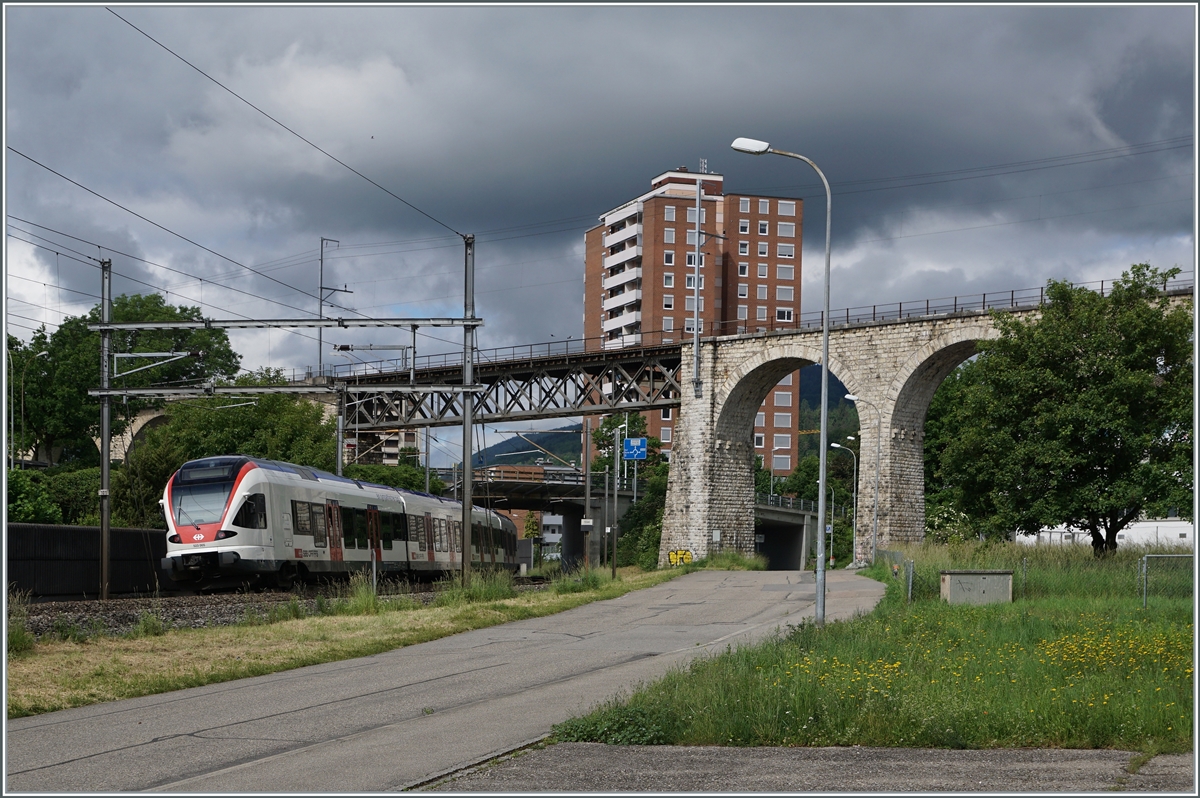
(1074, 670)
(57, 674)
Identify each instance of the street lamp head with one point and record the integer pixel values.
(851, 397)
(752, 146)
(836, 446)
(42, 354)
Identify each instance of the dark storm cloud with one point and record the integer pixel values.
(498, 120)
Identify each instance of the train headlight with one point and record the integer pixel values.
(174, 539)
(225, 533)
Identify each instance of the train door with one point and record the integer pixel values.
(333, 526)
(429, 534)
(373, 532)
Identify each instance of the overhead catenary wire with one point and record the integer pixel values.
(285, 127)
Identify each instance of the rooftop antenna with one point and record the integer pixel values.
(703, 166)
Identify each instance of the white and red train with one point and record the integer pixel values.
(239, 519)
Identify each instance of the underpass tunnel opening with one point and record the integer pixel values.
(909, 454)
(760, 434)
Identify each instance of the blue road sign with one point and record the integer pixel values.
(635, 448)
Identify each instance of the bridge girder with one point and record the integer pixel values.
(550, 387)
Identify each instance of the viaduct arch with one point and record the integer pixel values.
(895, 366)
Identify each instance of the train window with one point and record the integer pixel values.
(318, 525)
(348, 528)
(303, 521)
(416, 530)
(441, 534)
(385, 529)
(253, 513)
(456, 536)
(360, 529)
(400, 526)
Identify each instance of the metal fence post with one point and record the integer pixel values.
(909, 568)
(1025, 577)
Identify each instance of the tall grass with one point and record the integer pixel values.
(483, 586)
(1068, 667)
(20, 639)
(581, 581)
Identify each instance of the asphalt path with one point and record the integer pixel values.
(408, 716)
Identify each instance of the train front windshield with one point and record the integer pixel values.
(201, 490)
(200, 504)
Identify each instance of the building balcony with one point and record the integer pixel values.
(631, 339)
(621, 300)
(626, 319)
(624, 212)
(620, 279)
(625, 255)
(624, 234)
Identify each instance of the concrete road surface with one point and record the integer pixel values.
(407, 716)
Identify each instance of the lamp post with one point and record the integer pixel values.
(23, 371)
(878, 432)
(755, 147)
(616, 497)
(854, 493)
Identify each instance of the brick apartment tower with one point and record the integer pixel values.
(638, 284)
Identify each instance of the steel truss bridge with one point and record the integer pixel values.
(548, 386)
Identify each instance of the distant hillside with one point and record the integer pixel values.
(810, 387)
(567, 443)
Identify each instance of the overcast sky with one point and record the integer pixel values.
(523, 125)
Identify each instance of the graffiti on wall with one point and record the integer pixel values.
(679, 557)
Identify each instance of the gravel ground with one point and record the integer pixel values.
(593, 767)
(121, 615)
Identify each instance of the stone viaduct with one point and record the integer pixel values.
(895, 366)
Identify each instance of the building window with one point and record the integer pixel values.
(787, 229)
(666, 414)
(742, 312)
(762, 313)
(781, 441)
(760, 419)
(787, 208)
(784, 293)
(786, 250)
(783, 421)
(764, 206)
(760, 440)
(764, 228)
(762, 249)
(691, 238)
(785, 381)
(744, 226)
(690, 281)
(691, 259)
(668, 324)
(668, 304)
(668, 279)
(666, 455)
(762, 292)
(689, 303)
(783, 398)
(668, 257)
(664, 434)
(783, 314)
(689, 325)
(781, 462)
(669, 235)
(691, 215)
(744, 205)
(743, 290)
(785, 272)
(669, 213)
(743, 247)
(762, 270)
(743, 269)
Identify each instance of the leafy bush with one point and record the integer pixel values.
(20, 639)
(29, 501)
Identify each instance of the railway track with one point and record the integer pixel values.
(80, 619)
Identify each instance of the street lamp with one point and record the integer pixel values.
(854, 501)
(755, 147)
(878, 432)
(25, 369)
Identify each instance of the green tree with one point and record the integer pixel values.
(28, 500)
(641, 526)
(63, 420)
(1082, 417)
(276, 427)
(405, 476)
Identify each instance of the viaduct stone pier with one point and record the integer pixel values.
(894, 366)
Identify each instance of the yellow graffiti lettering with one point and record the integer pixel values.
(679, 557)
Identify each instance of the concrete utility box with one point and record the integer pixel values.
(977, 587)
